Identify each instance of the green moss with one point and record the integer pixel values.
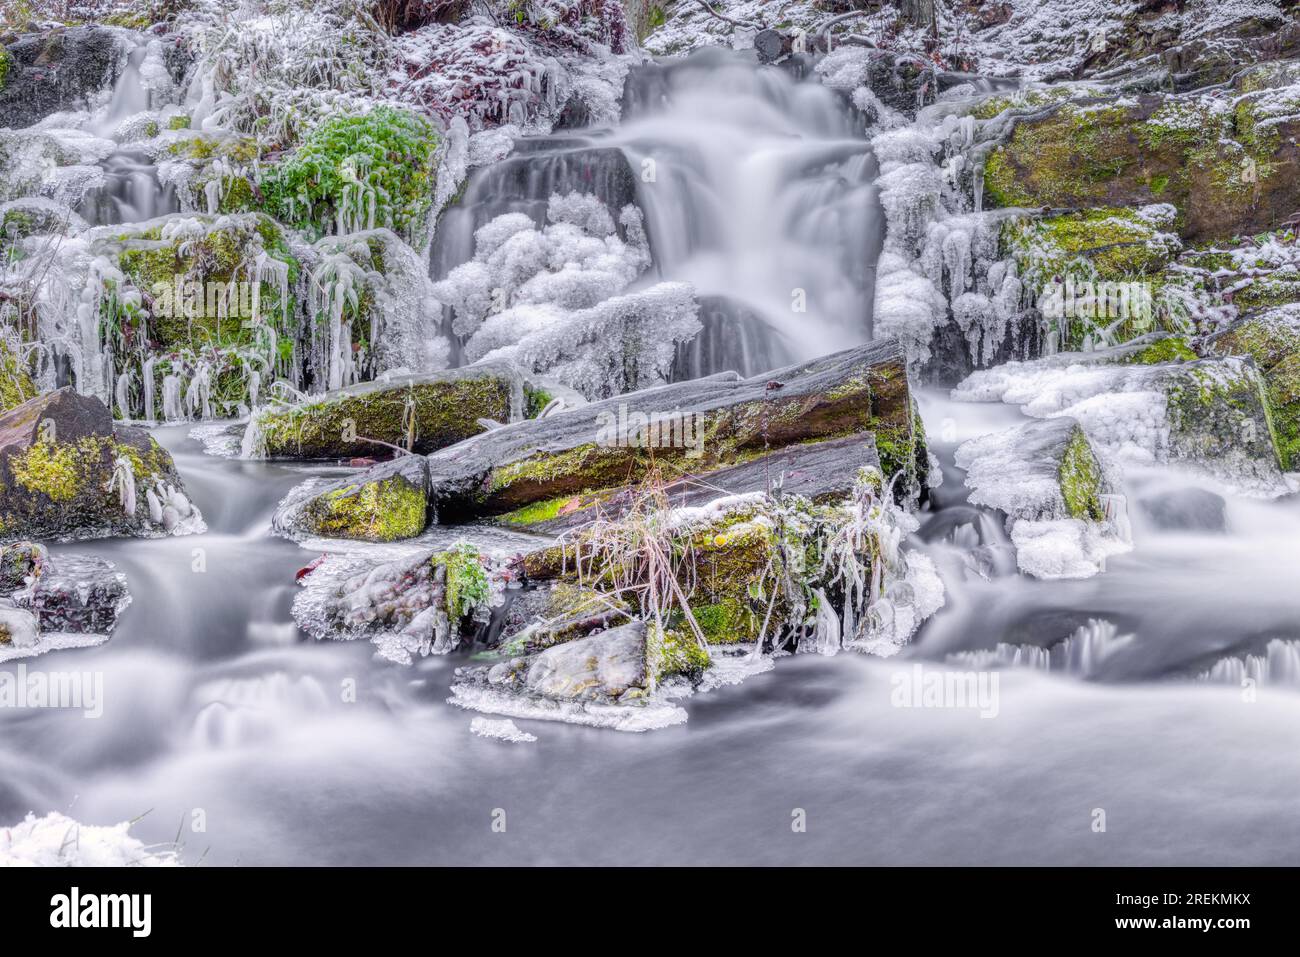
(6, 64)
(382, 511)
(467, 582)
(1169, 349)
(179, 122)
(535, 400)
(1080, 477)
(675, 652)
(1283, 393)
(53, 469)
(443, 412)
(540, 511)
(16, 386)
(390, 151)
(1064, 159)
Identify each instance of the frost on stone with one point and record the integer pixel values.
(58, 841)
(1208, 416)
(1057, 497)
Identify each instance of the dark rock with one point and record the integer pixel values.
(80, 594)
(60, 70)
(66, 472)
(1186, 510)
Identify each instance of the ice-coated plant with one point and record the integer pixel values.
(358, 172)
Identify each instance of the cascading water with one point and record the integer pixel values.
(756, 188)
(131, 191)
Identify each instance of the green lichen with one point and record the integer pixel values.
(382, 511)
(1080, 478)
(1169, 349)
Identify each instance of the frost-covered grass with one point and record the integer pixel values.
(56, 840)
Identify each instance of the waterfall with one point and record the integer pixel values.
(756, 187)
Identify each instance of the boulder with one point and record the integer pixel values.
(383, 504)
(1271, 338)
(426, 412)
(1226, 171)
(1037, 471)
(418, 605)
(59, 70)
(1209, 415)
(687, 428)
(820, 471)
(67, 472)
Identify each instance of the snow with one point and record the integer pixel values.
(58, 841)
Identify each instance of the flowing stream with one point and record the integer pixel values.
(220, 714)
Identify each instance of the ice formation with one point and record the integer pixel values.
(58, 841)
(555, 301)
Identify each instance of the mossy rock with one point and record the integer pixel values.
(1271, 339)
(58, 455)
(387, 504)
(1226, 172)
(428, 412)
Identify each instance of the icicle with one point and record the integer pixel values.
(172, 411)
(146, 377)
(122, 394)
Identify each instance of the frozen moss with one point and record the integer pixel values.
(362, 171)
(1080, 476)
(1168, 349)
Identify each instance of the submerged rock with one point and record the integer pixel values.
(1186, 510)
(67, 472)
